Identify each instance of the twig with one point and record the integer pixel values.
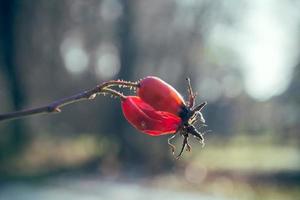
(57, 105)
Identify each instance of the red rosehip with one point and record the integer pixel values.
(158, 109)
(160, 95)
(147, 119)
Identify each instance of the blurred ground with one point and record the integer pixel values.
(220, 187)
(79, 189)
(241, 168)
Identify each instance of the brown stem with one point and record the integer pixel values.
(56, 106)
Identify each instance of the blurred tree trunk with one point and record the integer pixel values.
(16, 135)
(127, 49)
(127, 42)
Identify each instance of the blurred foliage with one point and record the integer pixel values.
(52, 49)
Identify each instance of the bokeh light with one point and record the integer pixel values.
(75, 57)
(107, 61)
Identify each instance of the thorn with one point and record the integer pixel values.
(203, 144)
(92, 96)
(203, 125)
(188, 147)
(205, 132)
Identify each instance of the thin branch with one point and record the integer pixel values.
(57, 105)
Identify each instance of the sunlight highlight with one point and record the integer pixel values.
(267, 64)
(263, 40)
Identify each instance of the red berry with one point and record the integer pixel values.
(147, 119)
(160, 95)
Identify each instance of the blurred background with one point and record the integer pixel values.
(243, 57)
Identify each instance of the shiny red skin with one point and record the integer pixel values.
(160, 95)
(147, 119)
